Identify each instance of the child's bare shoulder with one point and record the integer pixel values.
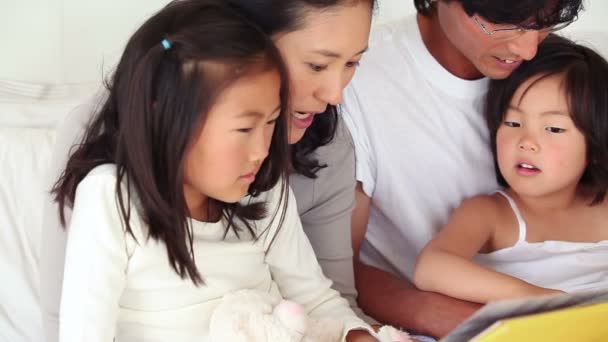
(486, 205)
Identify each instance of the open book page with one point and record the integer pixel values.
(500, 310)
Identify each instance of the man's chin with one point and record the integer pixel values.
(497, 74)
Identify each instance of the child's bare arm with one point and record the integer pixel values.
(445, 265)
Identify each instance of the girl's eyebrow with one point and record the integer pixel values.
(256, 113)
(547, 112)
(554, 112)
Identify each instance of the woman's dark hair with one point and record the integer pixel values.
(283, 16)
(158, 99)
(585, 82)
(541, 13)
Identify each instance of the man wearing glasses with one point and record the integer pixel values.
(421, 143)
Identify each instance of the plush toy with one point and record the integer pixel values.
(255, 316)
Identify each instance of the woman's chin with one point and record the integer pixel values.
(295, 134)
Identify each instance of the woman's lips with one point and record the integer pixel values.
(303, 120)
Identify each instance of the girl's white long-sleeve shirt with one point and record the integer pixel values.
(118, 287)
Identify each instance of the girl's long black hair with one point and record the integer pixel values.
(165, 83)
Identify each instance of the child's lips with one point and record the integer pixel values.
(527, 169)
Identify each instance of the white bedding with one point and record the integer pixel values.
(28, 115)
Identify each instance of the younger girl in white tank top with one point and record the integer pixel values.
(564, 265)
(548, 231)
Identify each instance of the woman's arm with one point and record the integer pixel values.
(95, 263)
(445, 265)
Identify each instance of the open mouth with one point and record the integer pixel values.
(302, 116)
(527, 169)
(508, 62)
(302, 120)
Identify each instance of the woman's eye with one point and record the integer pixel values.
(244, 130)
(555, 129)
(317, 67)
(352, 64)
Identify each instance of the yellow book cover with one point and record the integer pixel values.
(581, 324)
(580, 317)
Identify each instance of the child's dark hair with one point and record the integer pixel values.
(585, 81)
(172, 71)
(540, 13)
(283, 16)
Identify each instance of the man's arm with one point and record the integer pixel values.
(396, 301)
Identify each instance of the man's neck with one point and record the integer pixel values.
(443, 50)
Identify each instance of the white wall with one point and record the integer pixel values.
(66, 41)
(71, 41)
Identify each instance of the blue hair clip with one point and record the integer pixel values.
(166, 43)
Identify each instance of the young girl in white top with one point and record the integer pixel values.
(178, 188)
(547, 232)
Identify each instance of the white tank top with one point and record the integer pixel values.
(562, 265)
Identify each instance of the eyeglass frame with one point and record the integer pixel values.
(519, 29)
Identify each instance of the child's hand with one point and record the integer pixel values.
(360, 336)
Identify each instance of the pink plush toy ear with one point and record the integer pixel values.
(293, 316)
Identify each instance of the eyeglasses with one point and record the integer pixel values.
(506, 33)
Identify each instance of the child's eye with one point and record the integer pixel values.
(555, 129)
(317, 67)
(244, 130)
(273, 121)
(512, 124)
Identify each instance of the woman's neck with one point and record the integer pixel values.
(440, 47)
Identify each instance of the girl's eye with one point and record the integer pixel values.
(512, 124)
(273, 121)
(244, 130)
(555, 130)
(317, 67)
(352, 64)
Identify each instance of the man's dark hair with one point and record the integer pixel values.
(532, 14)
